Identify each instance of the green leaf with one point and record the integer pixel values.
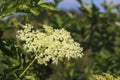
(34, 11)
(10, 5)
(40, 2)
(50, 7)
(23, 7)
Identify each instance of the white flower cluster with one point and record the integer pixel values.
(49, 44)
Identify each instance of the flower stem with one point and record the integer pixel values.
(27, 68)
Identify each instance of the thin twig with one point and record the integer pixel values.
(27, 68)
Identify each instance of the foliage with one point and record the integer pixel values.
(97, 32)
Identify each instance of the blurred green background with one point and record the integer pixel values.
(97, 32)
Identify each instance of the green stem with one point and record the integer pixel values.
(27, 68)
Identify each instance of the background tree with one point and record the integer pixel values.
(98, 32)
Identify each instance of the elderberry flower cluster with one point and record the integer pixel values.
(49, 44)
(105, 76)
